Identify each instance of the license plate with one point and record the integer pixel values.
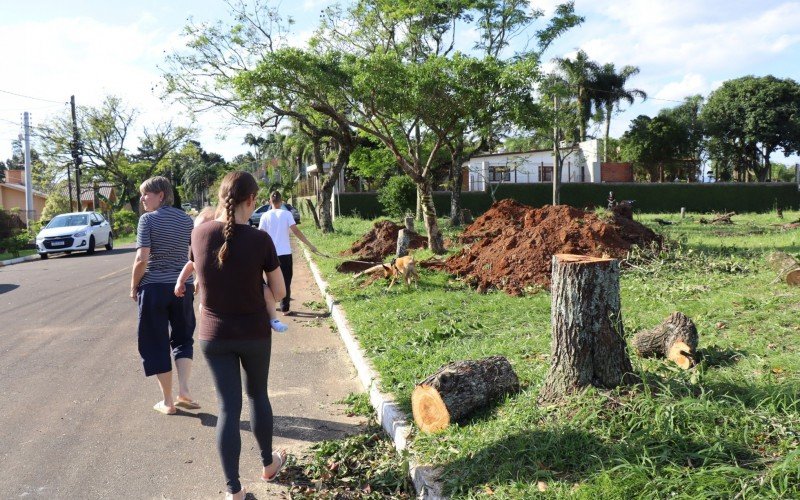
(57, 243)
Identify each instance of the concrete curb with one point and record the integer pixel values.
(19, 260)
(393, 420)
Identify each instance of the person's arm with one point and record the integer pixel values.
(302, 237)
(139, 267)
(180, 286)
(276, 284)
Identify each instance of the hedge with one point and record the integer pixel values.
(649, 198)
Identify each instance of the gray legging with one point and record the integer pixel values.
(224, 358)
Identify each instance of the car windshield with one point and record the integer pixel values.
(69, 220)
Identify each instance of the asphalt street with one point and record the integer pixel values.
(76, 417)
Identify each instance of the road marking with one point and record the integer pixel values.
(114, 273)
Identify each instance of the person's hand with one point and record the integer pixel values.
(134, 294)
(180, 289)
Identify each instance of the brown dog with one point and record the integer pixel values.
(401, 267)
(404, 267)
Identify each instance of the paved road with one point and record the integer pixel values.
(75, 408)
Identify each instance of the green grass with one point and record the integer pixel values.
(9, 255)
(730, 426)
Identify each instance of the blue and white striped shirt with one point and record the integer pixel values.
(167, 232)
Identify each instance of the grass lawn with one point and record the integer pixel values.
(9, 255)
(728, 427)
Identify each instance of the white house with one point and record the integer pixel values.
(580, 164)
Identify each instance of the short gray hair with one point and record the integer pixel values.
(159, 184)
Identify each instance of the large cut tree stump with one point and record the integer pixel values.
(786, 266)
(675, 339)
(457, 389)
(588, 346)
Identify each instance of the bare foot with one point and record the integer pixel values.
(164, 408)
(278, 461)
(187, 402)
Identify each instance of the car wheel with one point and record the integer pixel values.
(110, 244)
(43, 256)
(90, 250)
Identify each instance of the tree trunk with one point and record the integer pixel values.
(457, 389)
(588, 346)
(324, 207)
(675, 339)
(786, 266)
(435, 241)
(455, 185)
(403, 242)
(609, 110)
(313, 211)
(419, 212)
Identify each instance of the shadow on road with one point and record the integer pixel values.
(7, 287)
(297, 428)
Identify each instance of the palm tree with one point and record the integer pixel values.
(579, 72)
(198, 177)
(608, 90)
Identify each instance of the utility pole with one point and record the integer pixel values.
(76, 155)
(29, 209)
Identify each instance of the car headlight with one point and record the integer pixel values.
(80, 234)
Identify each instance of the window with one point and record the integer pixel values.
(545, 174)
(499, 174)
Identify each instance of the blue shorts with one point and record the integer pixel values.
(166, 325)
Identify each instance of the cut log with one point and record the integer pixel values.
(675, 339)
(458, 389)
(786, 266)
(723, 218)
(587, 346)
(404, 239)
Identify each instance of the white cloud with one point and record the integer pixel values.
(690, 84)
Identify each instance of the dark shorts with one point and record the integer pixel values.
(166, 325)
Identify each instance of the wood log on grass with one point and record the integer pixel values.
(786, 266)
(587, 346)
(675, 339)
(458, 389)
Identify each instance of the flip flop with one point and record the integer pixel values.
(187, 404)
(281, 463)
(160, 407)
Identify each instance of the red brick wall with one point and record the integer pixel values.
(616, 172)
(15, 177)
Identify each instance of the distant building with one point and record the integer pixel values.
(581, 163)
(96, 196)
(12, 196)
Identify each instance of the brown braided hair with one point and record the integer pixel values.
(235, 189)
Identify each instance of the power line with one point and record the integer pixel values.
(29, 97)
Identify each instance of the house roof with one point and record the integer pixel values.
(87, 192)
(20, 187)
(511, 153)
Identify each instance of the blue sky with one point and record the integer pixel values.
(52, 49)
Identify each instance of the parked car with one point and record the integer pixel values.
(73, 232)
(256, 217)
(186, 207)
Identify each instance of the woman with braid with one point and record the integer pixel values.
(230, 258)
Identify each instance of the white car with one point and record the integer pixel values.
(73, 232)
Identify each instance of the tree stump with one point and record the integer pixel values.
(588, 346)
(675, 339)
(457, 389)
(786, 266)
(404, 241)
(409, 221)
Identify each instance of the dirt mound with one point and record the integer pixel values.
(381, 241)
(510, 247)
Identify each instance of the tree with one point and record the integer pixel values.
(652, 144)
(751, 118)
(579, 73)
(104, 145)
(608, 91)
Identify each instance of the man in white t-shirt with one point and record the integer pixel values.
(277, 222)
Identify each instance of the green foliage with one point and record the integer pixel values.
(125, 222)
(16, 242)
(374, 162)
(57, 203)
(398, 196)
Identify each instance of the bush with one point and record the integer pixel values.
(10, 223)
(398, 196)
(15, 243)
(124, 222)
(57, 203)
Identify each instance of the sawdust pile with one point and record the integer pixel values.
(510, 247)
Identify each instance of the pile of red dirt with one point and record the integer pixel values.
(381, 241)
(510, 247)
